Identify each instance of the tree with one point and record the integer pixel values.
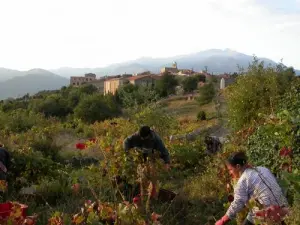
(256, 92)
(201, 78)
(53, 105)
(166, 85)
(88, 89)
(207, 93)
(189, 84)
(131, 95)
(94, 108)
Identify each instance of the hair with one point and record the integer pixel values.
(237, 158)
(144, 131)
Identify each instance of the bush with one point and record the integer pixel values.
(207, 93)
(257, 91)
(95, 108)
(201, 115)
(21, 120)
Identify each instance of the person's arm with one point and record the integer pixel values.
(164, 153)
(241, 197)
(128, 143)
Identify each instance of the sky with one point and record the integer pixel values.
(50, 34)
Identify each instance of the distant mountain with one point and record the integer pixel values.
(6, 74)
(216, 61)
(34, 81)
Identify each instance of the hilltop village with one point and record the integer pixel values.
(110, 84)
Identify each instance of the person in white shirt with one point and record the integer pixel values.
(256, 183)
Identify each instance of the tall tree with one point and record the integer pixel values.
(166, 85)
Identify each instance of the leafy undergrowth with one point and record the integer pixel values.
(60, 191)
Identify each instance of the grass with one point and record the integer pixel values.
(187, 109)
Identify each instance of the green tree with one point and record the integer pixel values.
(166, 85)
(257, 91)
(206, 94)
(94, 108)
(53, 105)
(88, 89)
(131, 95)
(190, 84)
(201, 78)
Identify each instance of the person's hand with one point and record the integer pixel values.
(222, 221)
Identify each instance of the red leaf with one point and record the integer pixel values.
(81, 146)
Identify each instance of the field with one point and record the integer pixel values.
(74, 172)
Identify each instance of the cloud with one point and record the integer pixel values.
(55, 33)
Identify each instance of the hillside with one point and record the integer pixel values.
(6, 74)
(34, 81)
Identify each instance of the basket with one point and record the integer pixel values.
(165, 195)
(6, 208)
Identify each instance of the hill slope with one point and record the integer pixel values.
(34, 81)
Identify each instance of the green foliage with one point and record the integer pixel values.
(9, 106)
(265, 143)
(255, 92)
(96, 108)
(190, 83)
(31, 167)
(21, 120)
(207, 93)
(88, 89)
(156, 118)
(200, 78)
(131, 95)
(52, 106)
(166, 85)
(46, 146)
(201, 115)
(189, 155)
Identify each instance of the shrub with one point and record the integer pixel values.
(257, 91)
(95, 108)
(207, 93)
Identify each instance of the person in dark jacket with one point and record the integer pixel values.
(147, 141)
(4, 162)
(4, 166)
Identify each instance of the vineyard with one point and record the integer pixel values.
(78, 173)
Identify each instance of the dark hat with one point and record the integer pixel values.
(144, 131)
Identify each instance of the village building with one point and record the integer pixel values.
(112, 85)
(172, 70)
(145, 80)
(175, 71)
(78, 81)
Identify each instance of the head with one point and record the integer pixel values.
(236, 164)
(145, 132)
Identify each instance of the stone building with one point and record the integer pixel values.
(78, 81)
(146, 80)
(172, 70)
(111, 85)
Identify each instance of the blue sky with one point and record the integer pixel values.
(93, 33)
(281, 6)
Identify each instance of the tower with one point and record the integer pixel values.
(175, 65)
(222, 83)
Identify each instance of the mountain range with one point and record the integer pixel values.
(31, 82)
(215, 60)
(14, 83)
